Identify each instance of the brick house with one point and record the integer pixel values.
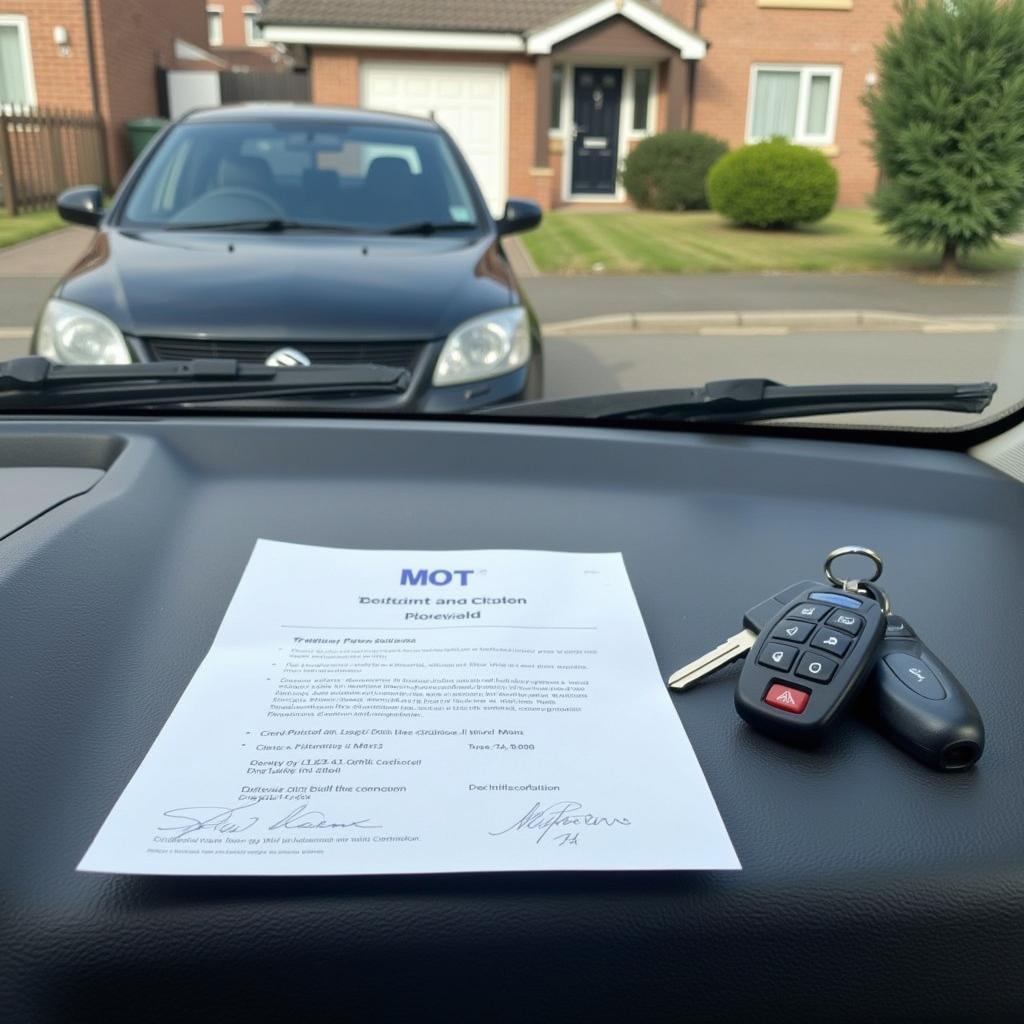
(234, 33)
(546, 97)
(96, 55)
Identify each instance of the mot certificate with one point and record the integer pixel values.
(378, 712)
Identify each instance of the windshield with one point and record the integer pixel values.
(646, 199)
(314, 173)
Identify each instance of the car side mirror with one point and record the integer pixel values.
(82, 205)
(520, 215)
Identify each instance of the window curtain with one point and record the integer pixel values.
(775, 103)
(12, 69)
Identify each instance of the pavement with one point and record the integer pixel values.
(28, 273)
(558, 299)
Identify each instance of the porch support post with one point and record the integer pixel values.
(542, 80)
(675, 88)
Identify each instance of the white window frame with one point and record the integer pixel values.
(652, 100)
(20, 22)
(249, 39)
(806, 72)
(219, 11)
(556, 133)
(626, 132)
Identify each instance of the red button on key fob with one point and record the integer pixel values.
(788, 698)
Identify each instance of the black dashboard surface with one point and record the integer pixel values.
(871, 889)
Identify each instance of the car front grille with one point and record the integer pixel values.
(402, 355)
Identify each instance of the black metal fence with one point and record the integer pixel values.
(43, 151)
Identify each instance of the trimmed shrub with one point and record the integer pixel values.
(773, 184)
(669, 171)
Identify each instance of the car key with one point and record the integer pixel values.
(809, 663)
(944, 733)
(918, 704)
(737, 646)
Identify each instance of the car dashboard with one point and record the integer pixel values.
(871, 888)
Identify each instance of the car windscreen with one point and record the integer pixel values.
(362, 177)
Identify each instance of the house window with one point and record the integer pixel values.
(641, 99)
(17, 87)
(796, 102)
(215, 26)
(557, 84)
(253, 31)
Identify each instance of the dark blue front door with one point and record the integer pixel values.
(597, 95)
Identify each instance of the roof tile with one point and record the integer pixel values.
(437, 15)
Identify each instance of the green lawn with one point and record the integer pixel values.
(27, 225)
(633, 242)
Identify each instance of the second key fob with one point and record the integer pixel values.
(809, 663)
(919, 704)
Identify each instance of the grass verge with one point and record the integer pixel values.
(27, 225)
(640, 242)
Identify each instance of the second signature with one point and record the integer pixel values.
(564, 819)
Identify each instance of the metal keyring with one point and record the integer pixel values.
(851, 550)
(878, 594)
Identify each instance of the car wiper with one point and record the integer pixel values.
(270, 225)
(429, 227)
(32, 383)
(752, 398)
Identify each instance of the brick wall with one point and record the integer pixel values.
(334, 79)
(60, 81)
(133, 37)
(334, 76)
(742, 34)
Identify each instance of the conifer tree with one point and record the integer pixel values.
(948, 120)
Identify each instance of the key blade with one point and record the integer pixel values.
(733, 649)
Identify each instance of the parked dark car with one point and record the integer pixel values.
(298, 235)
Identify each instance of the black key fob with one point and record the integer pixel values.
(918, 704)
(809, 663)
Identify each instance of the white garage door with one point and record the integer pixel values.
(469, 100)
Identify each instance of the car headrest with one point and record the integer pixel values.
(245, 172)
(316, 178)
(389, 174)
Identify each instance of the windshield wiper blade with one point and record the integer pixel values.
(428, 227)
(32, 383)
(269, 225)
(753, 398)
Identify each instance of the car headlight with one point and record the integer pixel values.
(69, 333)
(486, 346)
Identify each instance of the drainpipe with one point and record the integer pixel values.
(691, 91)
(94, 86)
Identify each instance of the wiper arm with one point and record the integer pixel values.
(751, 398)
(428, 227)
(269, 225)
(32, 383)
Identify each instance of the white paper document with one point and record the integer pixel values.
(400, 712)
